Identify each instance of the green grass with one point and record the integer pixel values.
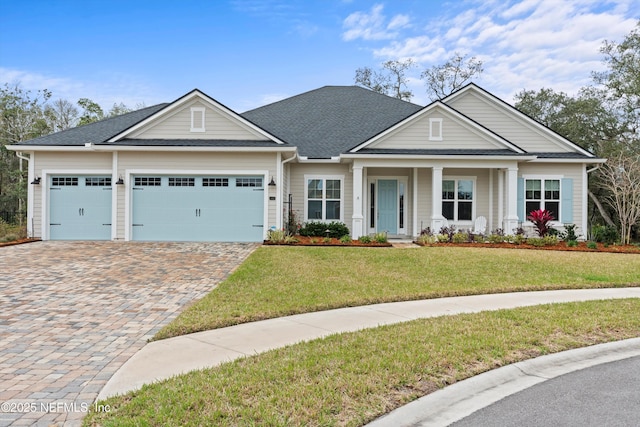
(278, 281)
(350, 379)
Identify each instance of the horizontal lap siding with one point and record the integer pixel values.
(178, 126)
(506, 125)
(454, 135)
(297, 173)
(57, 162)
(196, 163)
(574, 171)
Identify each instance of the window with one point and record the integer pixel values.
(59, 181)
(147, 181)
(197, 119)
(542, 194)
(181, 182)
(215, 182)
(324, 199)
(457, 199)
(435, 129)
(248, 182)
(97, 182)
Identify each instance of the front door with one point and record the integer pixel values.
(388, 206)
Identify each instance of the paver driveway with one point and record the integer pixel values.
(71, 313)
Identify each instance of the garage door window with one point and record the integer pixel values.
(248, 182)
(181, 182)
(97, 182)
(59, 181)
(215, 182)
(148, 181)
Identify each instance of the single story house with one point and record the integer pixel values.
(194, 170)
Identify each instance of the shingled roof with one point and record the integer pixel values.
(96, 132)
(328, 121)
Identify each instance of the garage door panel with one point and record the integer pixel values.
(80, 208)
(212, 209)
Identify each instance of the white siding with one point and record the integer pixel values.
(506, 124)
(177, 125)
(455, 135)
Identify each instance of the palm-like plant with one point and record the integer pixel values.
(541, 219)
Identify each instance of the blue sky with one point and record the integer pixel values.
(247, 53)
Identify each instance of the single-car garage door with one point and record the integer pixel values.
(201, 208)
(80, 207)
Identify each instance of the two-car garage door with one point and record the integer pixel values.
(198, 208)
(163, 208)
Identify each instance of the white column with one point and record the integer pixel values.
(357, 217)
(437, 220)
(416, 232)
(511, 220)
(501, 197)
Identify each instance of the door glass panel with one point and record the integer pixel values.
(372, 206)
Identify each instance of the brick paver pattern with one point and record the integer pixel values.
(71, 313)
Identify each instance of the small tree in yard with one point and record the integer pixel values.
(620, 180)
(541, 219)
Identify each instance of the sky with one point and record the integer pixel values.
(248, 53)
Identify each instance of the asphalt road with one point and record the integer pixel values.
(602, 395)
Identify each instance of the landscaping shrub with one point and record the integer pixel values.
(380, 237)
(569, 233)
(319, 229)
(276, 236)
(345, 239)
(572, 243)
(541, 219)
(592, 245)
(364, 239)
(460, 237)
(604, 234)
(496, 238)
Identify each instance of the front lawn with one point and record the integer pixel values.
(350, 379)
(278, 281)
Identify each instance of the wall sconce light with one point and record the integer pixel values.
(272, 183)
(120, 181)
(36, 181)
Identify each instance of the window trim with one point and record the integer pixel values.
(542, 179)
(324, 179)
(201, 111)
(474, 199)
(435, 123)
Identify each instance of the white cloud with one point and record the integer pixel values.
(524, 44)
(371, 25)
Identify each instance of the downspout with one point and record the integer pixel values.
(281, 183)
(30, 178)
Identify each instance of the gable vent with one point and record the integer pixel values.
(197, 119)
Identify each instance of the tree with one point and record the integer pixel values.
(391, 80)
(620, 180)
(21, 117)
(443, 80)
(92, 112)
(61, 115)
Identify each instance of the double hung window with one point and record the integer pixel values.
(323, 198)
(458, 199)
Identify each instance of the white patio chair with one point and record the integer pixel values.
(480, 225)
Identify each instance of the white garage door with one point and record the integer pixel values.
(200, 208)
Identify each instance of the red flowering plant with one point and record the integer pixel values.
(541, 219)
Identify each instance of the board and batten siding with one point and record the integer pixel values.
(67, 162)
(455, 135)
(506, 124)
(197, 163)
(218, 125)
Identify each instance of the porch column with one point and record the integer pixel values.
(511, 220)
(416, 232)
(357, 217)
(437, 220)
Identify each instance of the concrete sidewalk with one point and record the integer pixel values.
(163, 359)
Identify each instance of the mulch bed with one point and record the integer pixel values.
(18, 242)
(320, 241)
(561, 246)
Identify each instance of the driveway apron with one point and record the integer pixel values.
(71, 313)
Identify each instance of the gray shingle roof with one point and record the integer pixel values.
(442, 152)
(330, 120)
